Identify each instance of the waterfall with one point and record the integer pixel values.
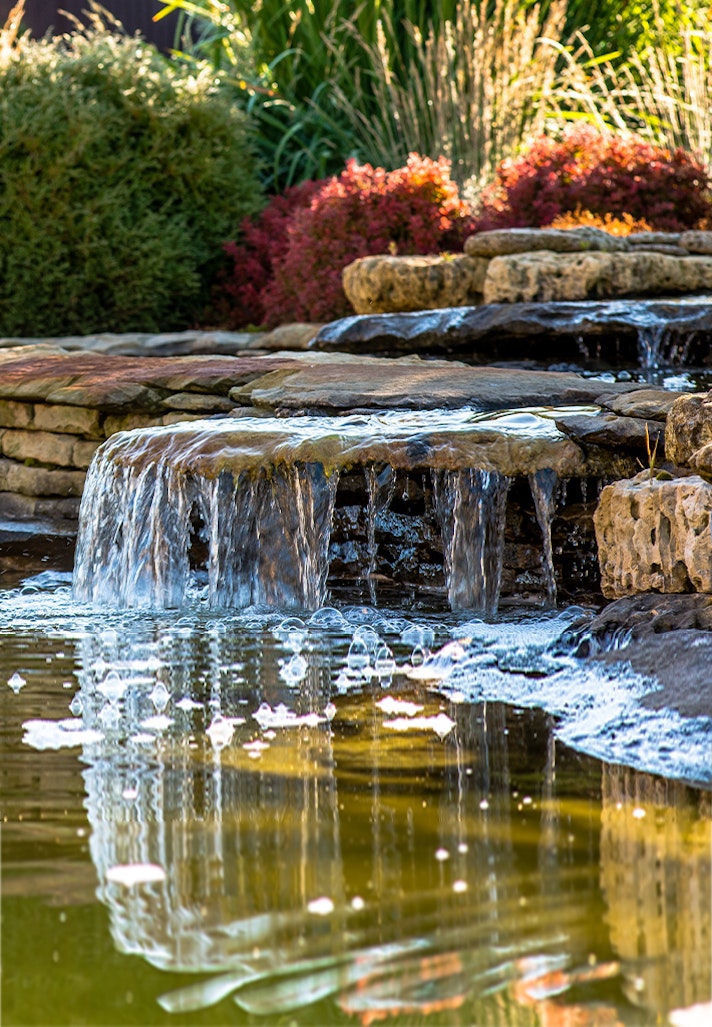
(380, 490)
(267, 534)
(543, 484)
(471, 506)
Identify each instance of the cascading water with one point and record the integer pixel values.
(471, 507)
(543, 484)
(247, 504)
(267, 535)
(380, 488)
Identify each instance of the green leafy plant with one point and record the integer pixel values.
(120, 177)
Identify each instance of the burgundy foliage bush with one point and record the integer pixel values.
(604, 174)
(288, 264)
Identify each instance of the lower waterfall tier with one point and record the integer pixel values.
(263, 510)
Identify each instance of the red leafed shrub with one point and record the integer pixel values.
(604, 174)
(288, 265)
(238, 297)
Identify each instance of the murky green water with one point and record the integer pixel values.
(252, 820)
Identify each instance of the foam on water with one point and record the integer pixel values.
(516, 661)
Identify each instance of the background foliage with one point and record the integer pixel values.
(121, 175)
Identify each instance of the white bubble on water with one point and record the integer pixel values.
(294, 670)
(160, 696)
(131, 874)
(16, 682)
(322, 906)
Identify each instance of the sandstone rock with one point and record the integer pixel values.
(297, 336)
(696, 241)
(503, 241)
(689, 427)
(611, 430)
(45, 448)
(647, 404)
(655, 536)
(194, 402)
(39, 481)
(72, 420)
(385, 284)
(646, 239)
(548, 277)
(18, 507)
(127, 422)
(15, 415)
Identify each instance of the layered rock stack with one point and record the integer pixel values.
(524, 265)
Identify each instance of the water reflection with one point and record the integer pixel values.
(257, 818)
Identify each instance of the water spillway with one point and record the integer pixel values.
(252, 502)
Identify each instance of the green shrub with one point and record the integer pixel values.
(120, 177)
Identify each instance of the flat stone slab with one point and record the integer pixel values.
(389, 384)
(504, 241)
(507, 330)
(295, 336)
(606, 429)
(116, 383)
(646, 404)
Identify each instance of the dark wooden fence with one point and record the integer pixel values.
(135, 16)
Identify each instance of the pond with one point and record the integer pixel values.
(254, 817)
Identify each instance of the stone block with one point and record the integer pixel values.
(15, 415)
(385, 284)
(654, 535)
(696, 241)
(689, 427)
(39, 481)
(70, 420)
(546, 276)
(39, 447)
(503, 241)
(17, 507)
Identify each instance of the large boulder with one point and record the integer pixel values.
(689, 429)
(545, 276)
(654, 535)
(387, 284)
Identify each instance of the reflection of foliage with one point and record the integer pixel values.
(601, 173)
(289, 264)
(120, 176)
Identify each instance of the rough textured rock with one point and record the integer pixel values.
(550, 277)
(689, 427)
(39, 481)
(635, 630)
(501, 242)
(611, 329)
(647, 404)
(655, 535)
(42, 447)
(696, 241)
(385, 384)
(17, 507)
(605, 429)
(384, 284)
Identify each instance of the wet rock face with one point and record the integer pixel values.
(613, 332)
(376, 285)
(654, 535)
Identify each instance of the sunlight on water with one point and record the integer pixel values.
(346, 815)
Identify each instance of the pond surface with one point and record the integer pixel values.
(259, 819)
